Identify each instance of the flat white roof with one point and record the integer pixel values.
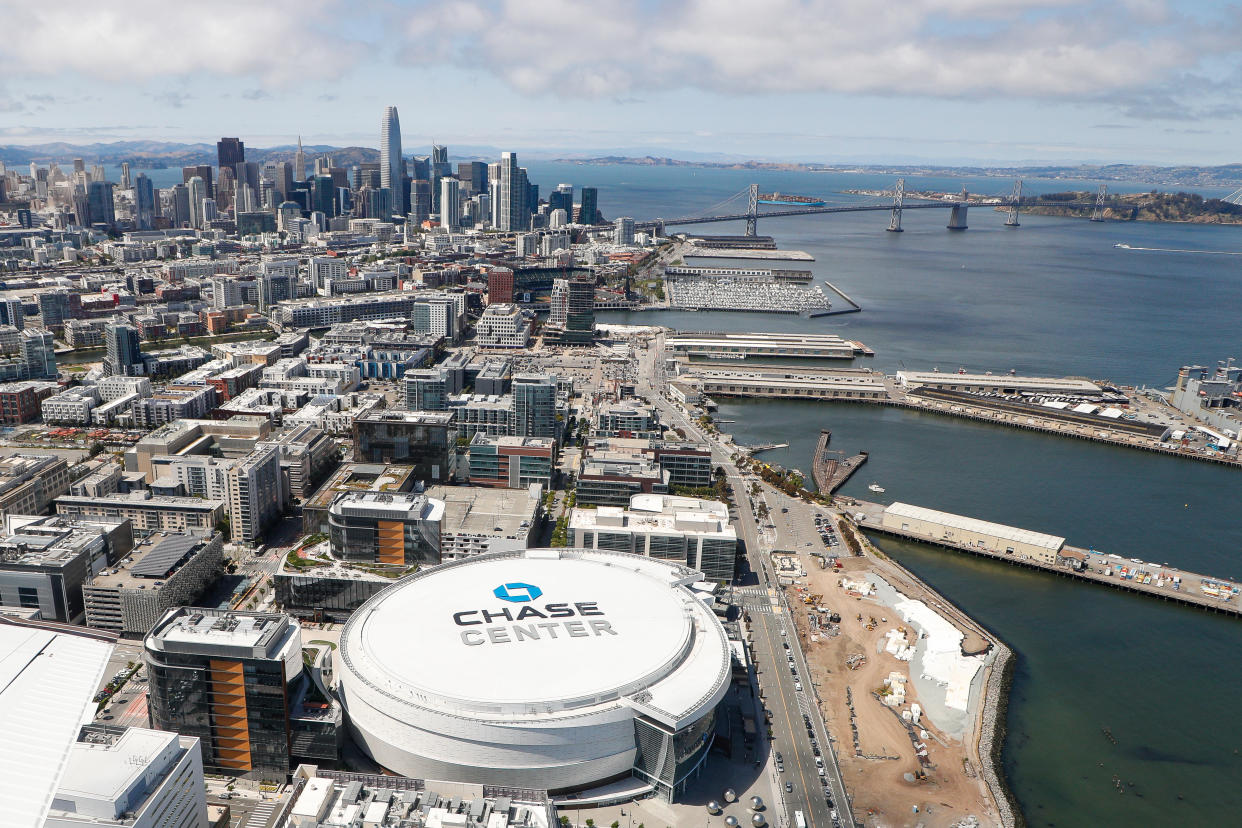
(993, 380)
(46, 683)
(981, 527)
(492, 630)
(98, 776)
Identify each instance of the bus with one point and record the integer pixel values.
(799, 820)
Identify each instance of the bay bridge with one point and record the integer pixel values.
(958, 206)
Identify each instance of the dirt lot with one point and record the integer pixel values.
(882, 794)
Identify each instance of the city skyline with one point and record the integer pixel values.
(942, 82)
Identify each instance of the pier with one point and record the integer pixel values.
(753, 450)
(830, 469)
(693, 252)
(1047, 553)
(853, 307)
(733, 345)
(790, 382)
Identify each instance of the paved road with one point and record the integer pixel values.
(767, 619)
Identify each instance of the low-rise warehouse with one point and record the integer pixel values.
(966, 531)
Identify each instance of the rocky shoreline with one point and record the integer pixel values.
(992, 734)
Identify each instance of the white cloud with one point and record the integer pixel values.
(276, 42)
(1033, 49)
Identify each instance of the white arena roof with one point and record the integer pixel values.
(537, 668)
(449, 638)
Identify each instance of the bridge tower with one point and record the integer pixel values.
(1098, 213)
(957, 218)
(752, 211)
(899, 195)
(1014, 201)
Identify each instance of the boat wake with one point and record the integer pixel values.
(1177, 250)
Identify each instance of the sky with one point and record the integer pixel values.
(835, 81)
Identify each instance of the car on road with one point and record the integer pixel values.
(798, 686)
(788, 787)
(779, 758)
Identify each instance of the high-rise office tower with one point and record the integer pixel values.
(79, 166)
(180, 205)
(230, 152)
(420, 201)
(124, 357)
(210, 211)
(125, 182)
(562, 198)
(250, 174)
(323, 195)
(589, 212)
(299, 163)
(144, 202)
(513, 212)
(198, 192)
(99, 201)
(203, 171)
(473, 177)
(392, 169)
(450, 204)
(224, 188)
(282, 179)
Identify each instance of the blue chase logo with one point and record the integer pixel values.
(518, 593)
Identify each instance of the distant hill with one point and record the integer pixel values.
(1227, 175)
(157, 154)
(1152, 206)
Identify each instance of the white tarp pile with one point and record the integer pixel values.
(895, 643)
(943, 661)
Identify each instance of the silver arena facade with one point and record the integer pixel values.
(555, 669)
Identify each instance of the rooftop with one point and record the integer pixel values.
(479, 510)
(329, 799)
(151, 561)
(659, 514)
(655, 647)
(366, 477)
(110, 773)
(224, 628)
(34, 658)
(390, 415)
(981, 527)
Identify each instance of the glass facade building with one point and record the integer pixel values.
(225, 678)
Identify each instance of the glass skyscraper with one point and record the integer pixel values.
(392, 169)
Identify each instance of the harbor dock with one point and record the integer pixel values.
(711, 344)
(693, 252)
(1048, 553)
(1119, 417)
(830, 469)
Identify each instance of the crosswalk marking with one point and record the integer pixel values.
(260, 814)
